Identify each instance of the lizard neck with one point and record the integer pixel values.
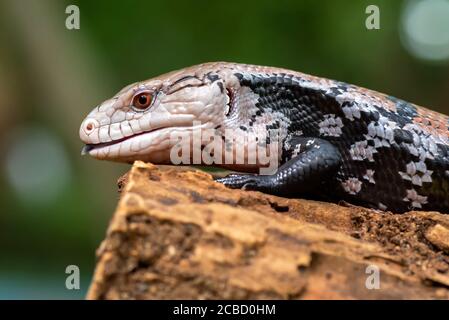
(283, 104)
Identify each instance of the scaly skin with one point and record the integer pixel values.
(335, 141)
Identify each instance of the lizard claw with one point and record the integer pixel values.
(240, 181)
(234, 181)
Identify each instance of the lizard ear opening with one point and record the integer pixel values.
(230, 101)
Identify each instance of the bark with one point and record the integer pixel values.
(176, 234)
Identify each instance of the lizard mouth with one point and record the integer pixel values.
(92, 146)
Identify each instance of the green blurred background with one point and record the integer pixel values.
(56, 204)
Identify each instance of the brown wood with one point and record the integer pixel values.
(176, 234)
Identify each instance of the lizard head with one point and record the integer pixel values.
(138, 122)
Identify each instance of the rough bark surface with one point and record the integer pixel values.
(177, 234)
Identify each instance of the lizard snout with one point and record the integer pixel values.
(88, 127)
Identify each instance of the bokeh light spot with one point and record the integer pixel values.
(36, 165)
(425, 29)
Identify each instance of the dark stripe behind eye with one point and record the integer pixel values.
(183, 79)
(173, 88)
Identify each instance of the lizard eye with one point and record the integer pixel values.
(142, 100)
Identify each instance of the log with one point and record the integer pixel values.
(177, 234)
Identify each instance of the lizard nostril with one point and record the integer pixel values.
(90, 125)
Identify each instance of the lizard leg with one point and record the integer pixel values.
(313, 162)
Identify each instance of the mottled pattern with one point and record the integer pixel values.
(395, 154)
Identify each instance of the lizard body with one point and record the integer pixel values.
(334, 140)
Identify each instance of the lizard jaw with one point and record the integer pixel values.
(93, 146)
(125, 147)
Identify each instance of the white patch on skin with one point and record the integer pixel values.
(351, 112)
(318, 84)
(361, 151)
(355, 103)
(287, 144)
(424, 145)
(369, 176)
(417, 173)
(363, 100)
(381, 206)
(331, 125)
(352, 185)
(381, 132)
(411, 168)
(416, 199)
(309, 142)
(297, 150)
